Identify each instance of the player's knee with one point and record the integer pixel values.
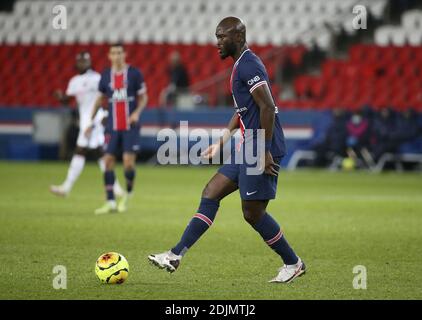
(129, 165)
(209, 193)
(252, 215)
(206, 192)
(109, 163)
(80, 151)
(249, 217)
(109, 166)
(129, 162)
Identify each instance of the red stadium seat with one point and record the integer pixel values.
(387, 75)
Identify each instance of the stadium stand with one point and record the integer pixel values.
(387, 73)
(372, 75)
(297, 40)
(278, 22)
(152, 29)
(409, 31)
(30, 67)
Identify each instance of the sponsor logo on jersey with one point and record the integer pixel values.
(239, 110)
(253, 80)
(119, 94)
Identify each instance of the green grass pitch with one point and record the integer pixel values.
(334, 221)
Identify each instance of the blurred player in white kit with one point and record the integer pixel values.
(84, 87)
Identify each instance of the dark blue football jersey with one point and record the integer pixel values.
(122, 89)
(248, 74)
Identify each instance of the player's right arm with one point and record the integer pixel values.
(213, 149)
(62, 97)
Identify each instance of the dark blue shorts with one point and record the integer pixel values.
(251, 187)
(122, 141)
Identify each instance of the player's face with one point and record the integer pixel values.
(82, 65)
(225, 43)
(116, 55)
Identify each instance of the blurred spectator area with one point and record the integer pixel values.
(388, 76)
(298, 41)
(37, 58)
(30, 73)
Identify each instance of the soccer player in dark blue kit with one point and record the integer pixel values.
(124, 87)
(254, 109)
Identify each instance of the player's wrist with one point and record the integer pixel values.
(268, 144)
(135, 115)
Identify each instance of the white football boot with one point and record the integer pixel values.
(288, 273)
(60, 191)
(166, 260)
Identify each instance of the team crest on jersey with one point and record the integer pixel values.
(253, 80)
(120, 94)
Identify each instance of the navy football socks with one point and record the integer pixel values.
(109, 179)
(200, 223)
(270, 231)
(130, 177)
(267, 227)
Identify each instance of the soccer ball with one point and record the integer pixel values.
(348, 164)
(112, 267)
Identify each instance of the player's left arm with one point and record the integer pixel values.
(263, 98)
(142, 97)
(142, 102)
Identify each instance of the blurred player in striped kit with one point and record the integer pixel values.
(125, 90)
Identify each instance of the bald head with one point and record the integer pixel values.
(231, 36)
(233, 24)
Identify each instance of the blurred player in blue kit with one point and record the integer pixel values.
(124, 87)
